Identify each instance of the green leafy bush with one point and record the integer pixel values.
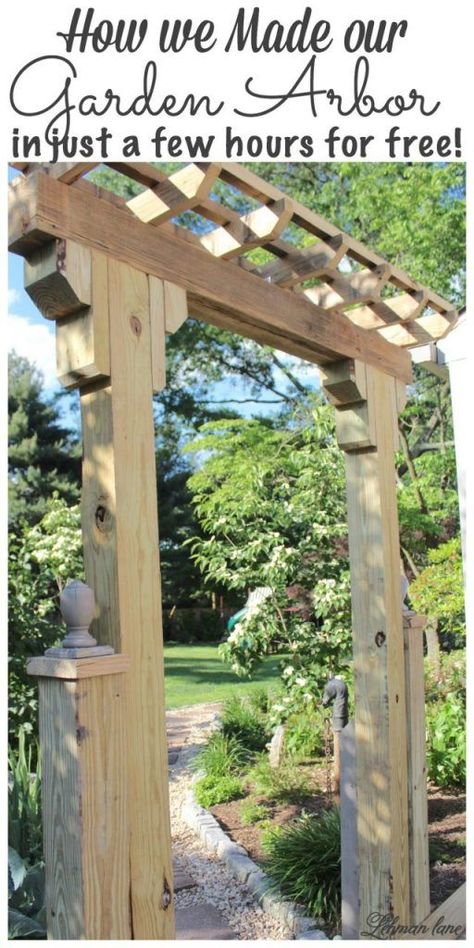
(449, 680)
(303, 862)
(252, 812)
(214, 789)
(438, 592)
(24, 800)
(446, 742)
(242, 721)
(26, 901)
(283, 783)
(304, 735)
(26, 912)
(40, 561)
(221, 755)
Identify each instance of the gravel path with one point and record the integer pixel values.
(187, 729)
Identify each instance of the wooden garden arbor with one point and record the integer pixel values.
(117, 276)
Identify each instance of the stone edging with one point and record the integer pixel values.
(246, 871)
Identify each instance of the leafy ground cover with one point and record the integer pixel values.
(278, 814)
(195, 674)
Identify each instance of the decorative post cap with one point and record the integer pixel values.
(77, 605)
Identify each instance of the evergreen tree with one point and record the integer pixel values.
(43, 455)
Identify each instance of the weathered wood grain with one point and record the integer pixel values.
(75, 669)
(82, 340)
(57, 278)
(447, 922)
(156, 292)
(176, 306)
(122, 565)
(380, 709)
(82, 733)
(54, 208)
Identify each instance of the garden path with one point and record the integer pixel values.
(210, 903)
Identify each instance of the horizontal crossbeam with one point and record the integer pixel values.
(42, 207)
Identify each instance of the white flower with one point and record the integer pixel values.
(301, 681)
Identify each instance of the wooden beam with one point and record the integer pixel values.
(171, 196)
(256, 187)
(342, 290)
(176, 307)
(301, 264)
(82, 340)
(42, 207)
(447, 922)
(250, 231)
(247, 182)
(382, 313)
(65, 171)
(57, 277)
(417, 332)
(380, 704)
(157, 333)
(121, 554)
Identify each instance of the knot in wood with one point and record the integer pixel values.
(379, 639)
(103, 518)
(136, 325)
(166, 895)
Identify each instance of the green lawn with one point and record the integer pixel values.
(195, 674)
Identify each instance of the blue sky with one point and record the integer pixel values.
(32, 336)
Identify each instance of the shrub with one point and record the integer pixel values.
(451, 678)
(304, 735)
(252, 812)
(24, 801)
(284, 783)
(212, 789)
(446, 742)
(303, 862)
(26, 912)
(26, 903)
(40, 560)
(221, 755)
(438, 591)
(242, 721)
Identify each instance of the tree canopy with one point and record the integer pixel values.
(43, 455)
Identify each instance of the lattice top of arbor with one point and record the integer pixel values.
(319, 293)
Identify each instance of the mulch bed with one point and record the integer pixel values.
(447, 829)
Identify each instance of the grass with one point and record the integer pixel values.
(195, 674)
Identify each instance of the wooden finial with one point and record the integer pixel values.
(77, 605)
(77, 609)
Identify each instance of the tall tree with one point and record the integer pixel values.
(43, 455)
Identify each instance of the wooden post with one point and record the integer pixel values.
(121, 551)
(82, 720)
(413, 626)
(349, 854)
(367, 402)
(121, 324)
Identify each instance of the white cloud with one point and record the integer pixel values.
(14, 296)
(36, 342)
